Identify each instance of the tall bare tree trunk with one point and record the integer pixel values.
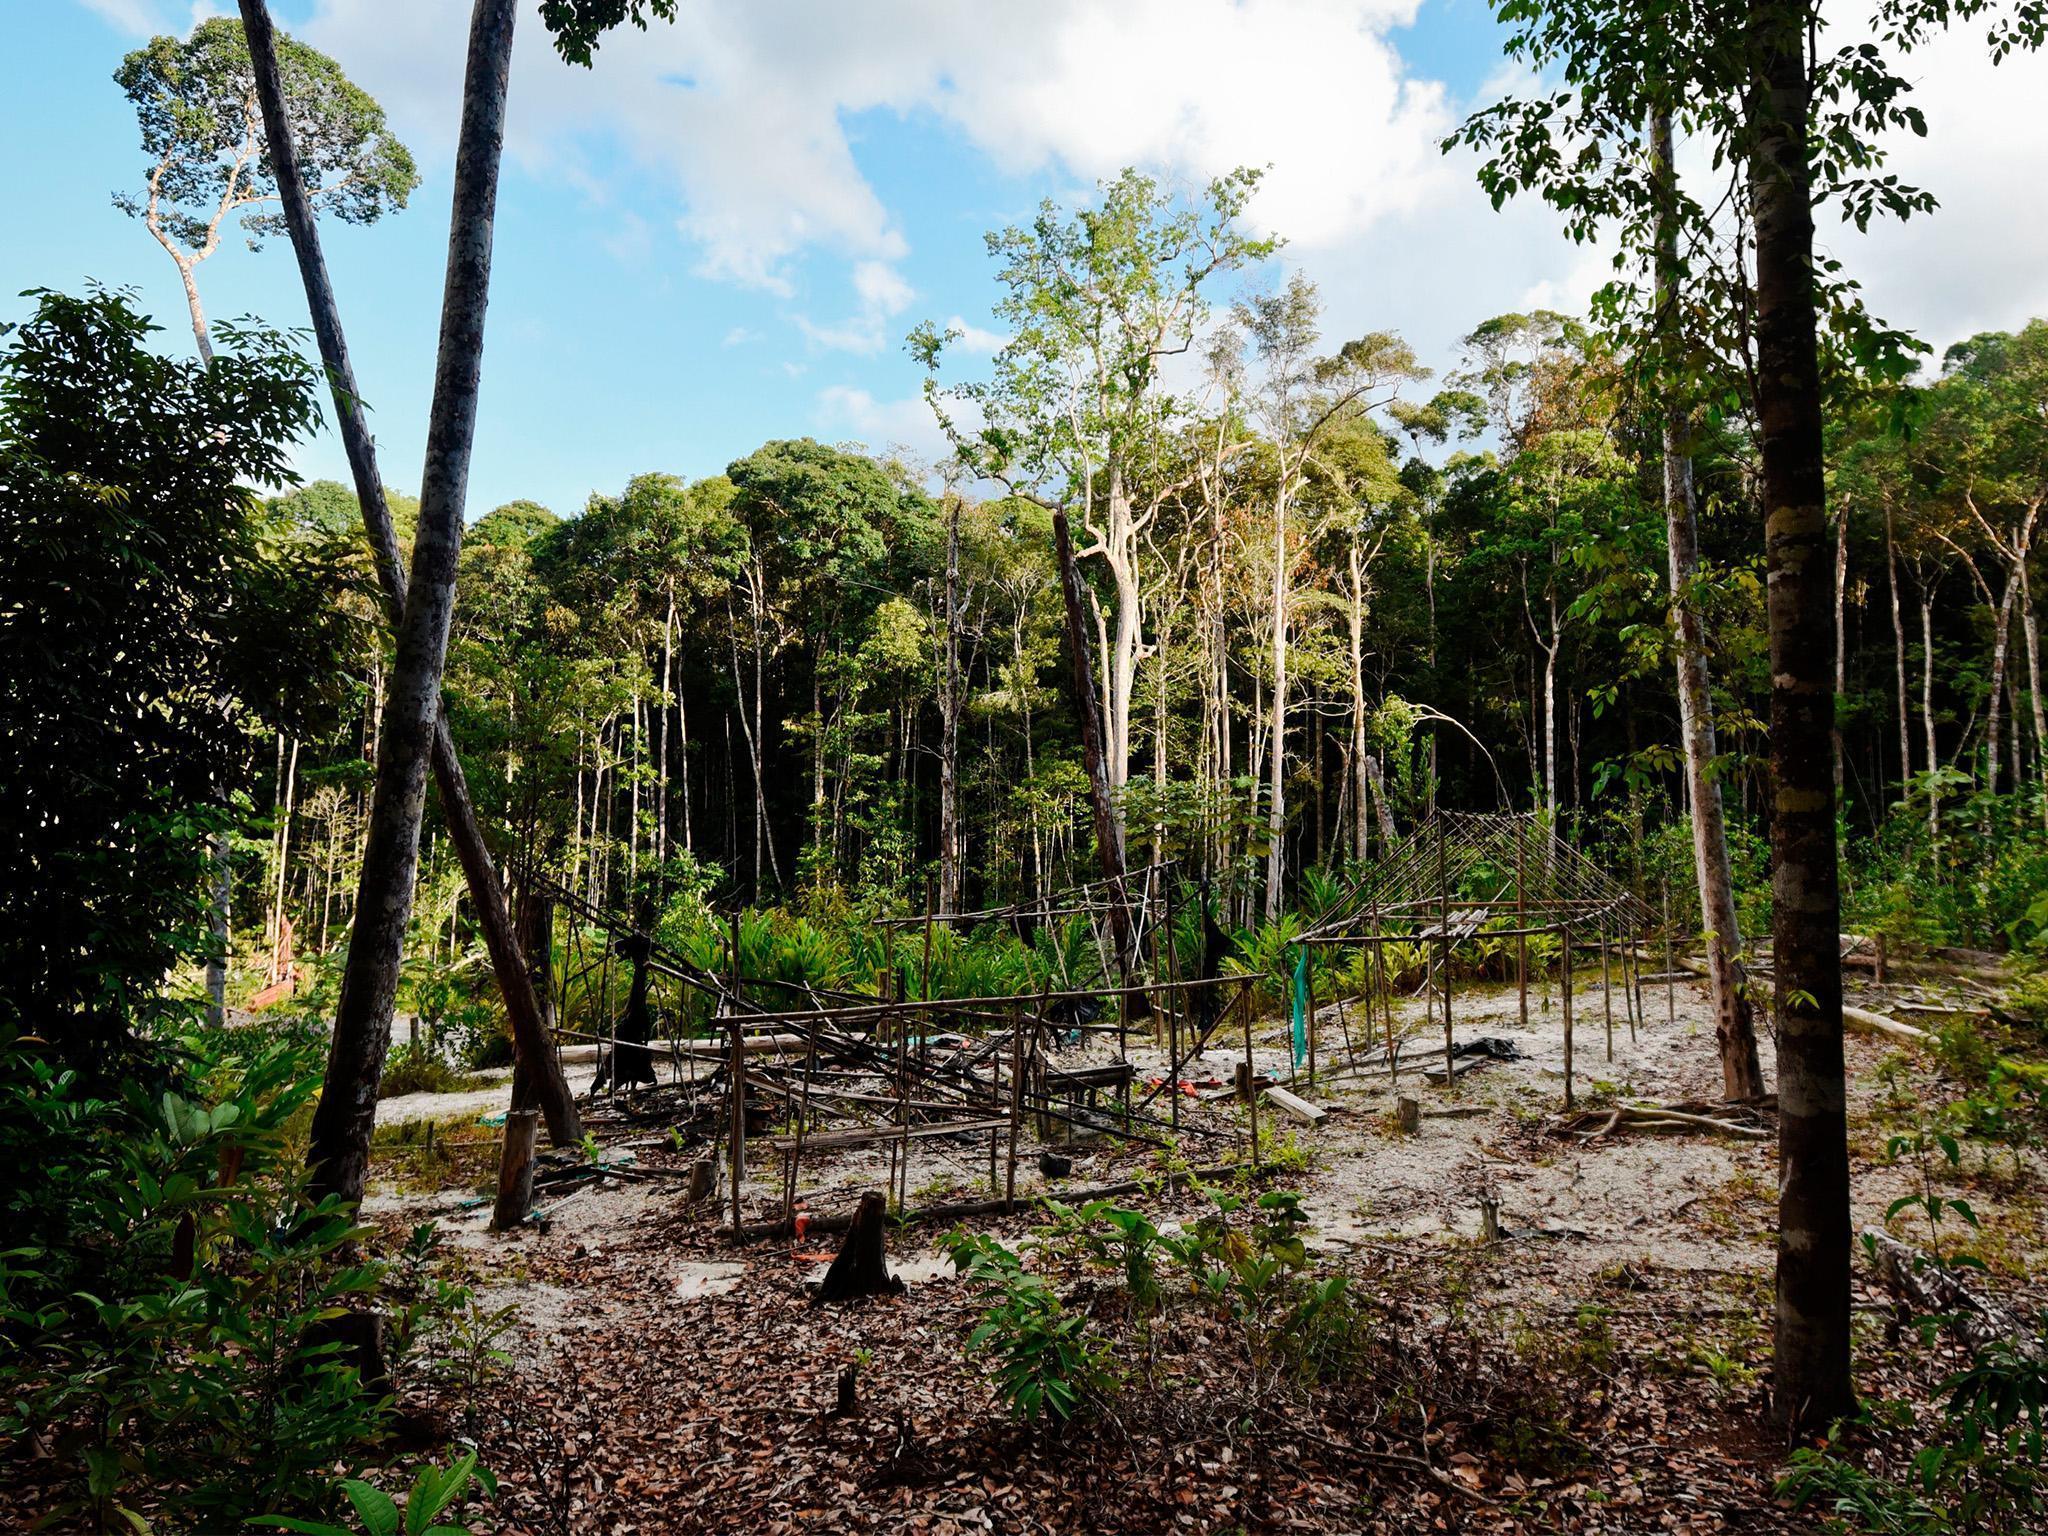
(530, 1036)
(1360, 750)
(1841, 640)
(1811, 1385)
(1109, 834)
(2031, 632)
(1276, 785)
(1891, 568)
(340, 1140)
(1934, 795)
(1742, 1074)
(949, 735)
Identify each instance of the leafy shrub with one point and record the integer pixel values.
(1980, 1469)
(165, 1299)
(419, 1069)
(1049, 1362)
(435, 1491)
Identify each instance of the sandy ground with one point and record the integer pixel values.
(1571, 1212)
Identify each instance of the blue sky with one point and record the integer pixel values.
(721, 234)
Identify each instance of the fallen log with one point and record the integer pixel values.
(1860, 1020)
(1864, 1022)
(1976, 1320)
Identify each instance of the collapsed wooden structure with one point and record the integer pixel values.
(800, 1070)
(796, 1070)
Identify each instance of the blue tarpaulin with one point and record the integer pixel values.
(1300, 1003)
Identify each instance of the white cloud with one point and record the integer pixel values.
(882, 288)
(739, 336)
(745, 106)
(138, 17)
(904, 425)
(882, 294)
(970, 337)
(751, 111)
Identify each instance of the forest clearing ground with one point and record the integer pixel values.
(670, 1382)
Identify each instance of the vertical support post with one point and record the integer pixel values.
(1386, 983)
(1632, 967)
(1244, 1009)
(1670, 983)
(1606, 989)
(736, 1089)
(1310, 1023)
(1016, 1104)
(1521, 924)
(1565, 992)
(1443, 904)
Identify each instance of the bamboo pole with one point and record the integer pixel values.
(1606, 991)
(1565, 999)
(1251, 1070)
(1521, 921)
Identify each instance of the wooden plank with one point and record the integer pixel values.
(1297, 1107)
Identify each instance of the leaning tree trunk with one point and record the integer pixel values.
(531, 1045)
(1109, 840)
(1742, 1074)
(340, 1143)
(1811, 1382)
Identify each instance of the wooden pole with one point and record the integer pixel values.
(1245, 1012)
(1310, 1023)
(1443, 897)
(1606, 990)
(1521, 922)
(515, 1170)
(736, 1131)
(1565, 995)
(1670, 984)
(1016, 1104)
(1175, 1001)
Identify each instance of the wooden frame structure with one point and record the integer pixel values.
(1462, 879)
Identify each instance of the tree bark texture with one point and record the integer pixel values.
(1811, 1383)
(340, 1143)
(1109, 841)
(530, 1042)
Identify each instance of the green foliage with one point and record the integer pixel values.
(166, 1289)
(1978, 1467)
(436, 1491)
(131, 566)
(419, 1069)
(1049, 1363)
(202, 134)
(1244, 1265)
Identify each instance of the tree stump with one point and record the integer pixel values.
(862, 1268)
(1410, 1111)
(703, 1181)
(1489, 1219)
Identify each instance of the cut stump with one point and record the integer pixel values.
(862, 1267)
